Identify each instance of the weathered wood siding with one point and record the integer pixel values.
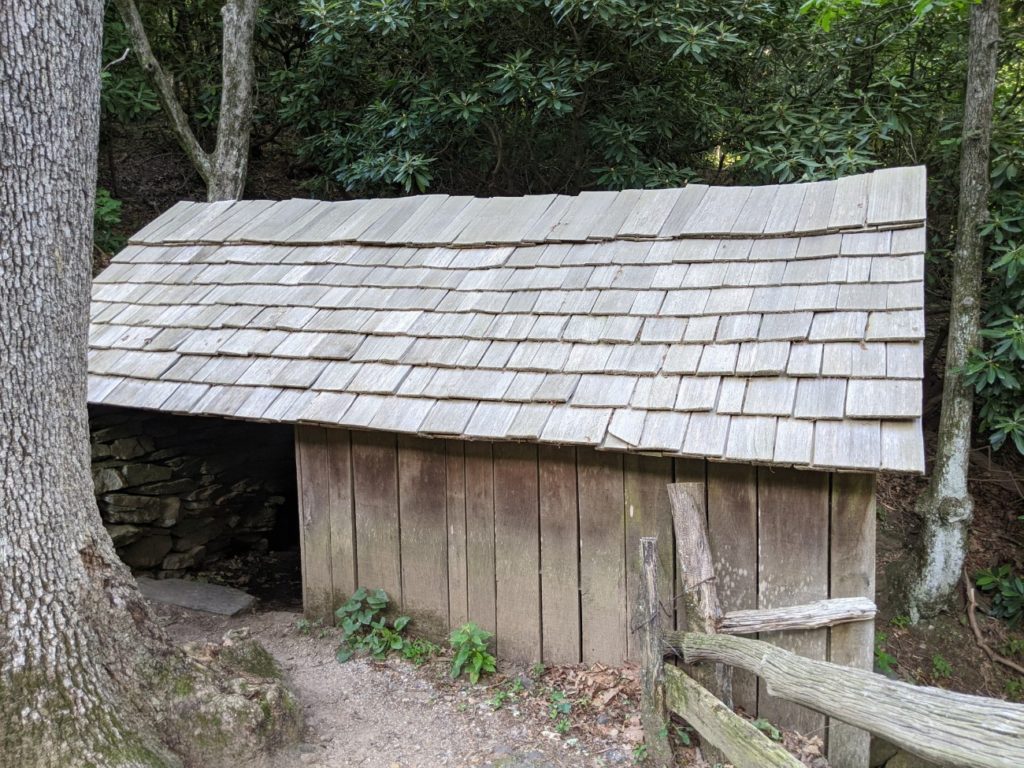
(539, 544)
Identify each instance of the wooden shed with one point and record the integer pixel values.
(490, 395)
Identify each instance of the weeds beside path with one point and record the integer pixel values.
(392, 714)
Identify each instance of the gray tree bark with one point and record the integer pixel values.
(59, 576)
(224, 169)
(86, 676)
(946, 505)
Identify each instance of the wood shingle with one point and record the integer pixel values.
(778, 324)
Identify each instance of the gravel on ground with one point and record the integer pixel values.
(392, 714)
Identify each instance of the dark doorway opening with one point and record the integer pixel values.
(203, 498)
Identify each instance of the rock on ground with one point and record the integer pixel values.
(197, 595)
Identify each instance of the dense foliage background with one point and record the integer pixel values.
(508, 97)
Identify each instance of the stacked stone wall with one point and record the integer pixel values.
(178, 492)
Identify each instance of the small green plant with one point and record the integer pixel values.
(537, 670)
(884, 661)
(365, 627)
(499, 698)
(559, 708)
(306, 626)
(419, 650)
(683, 736)
(1014, 688)
(941, 668)
(768, 729)
(639, 753)
(1007, 591)
(558, 705)
(510, 690)
(469, 643)
(900, 622)
(106, 218)
(1014, 646)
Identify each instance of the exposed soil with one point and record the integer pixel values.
(392, 713)
(997, 537)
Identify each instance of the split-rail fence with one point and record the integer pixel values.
(950, 729)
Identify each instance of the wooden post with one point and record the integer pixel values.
(852, 574)
(703, 611)
(652, 658)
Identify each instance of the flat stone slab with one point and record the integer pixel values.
(196, 595)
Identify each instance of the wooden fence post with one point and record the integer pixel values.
(652, 659)
(703, 611)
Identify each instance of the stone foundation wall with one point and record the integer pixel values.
(177, 492)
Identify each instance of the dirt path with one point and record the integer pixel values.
(395, 715)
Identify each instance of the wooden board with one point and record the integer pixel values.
(559, 554)
(687, 471)
(455, 469)
(602, 562)
(517, 551)
(341, 513)
(647, 513)
(853, 575)
(375, 485)
(422, 498)
(314, 522)
(732, 528)
(793, 551)
(480, 586)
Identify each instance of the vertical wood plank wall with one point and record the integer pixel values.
(539, 545)
(792, 569)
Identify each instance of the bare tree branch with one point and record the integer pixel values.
(224, 169)
(164, 86)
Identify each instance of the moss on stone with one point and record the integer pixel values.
(66, 737)
(251, 658)
(183, 686)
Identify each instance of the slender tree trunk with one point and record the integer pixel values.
(946, 505)
(223, 170)
(234, 126)
(86, 675)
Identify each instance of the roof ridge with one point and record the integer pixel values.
(880, 200)
(910, 224)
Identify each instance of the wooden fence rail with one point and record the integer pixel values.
(816, 615)
(948, 728)
(951, 729)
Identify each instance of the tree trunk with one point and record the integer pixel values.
(231, 156)
(946, 505)
(224, 170)
(86, 676)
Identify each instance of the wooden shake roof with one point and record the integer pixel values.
(778, 324)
